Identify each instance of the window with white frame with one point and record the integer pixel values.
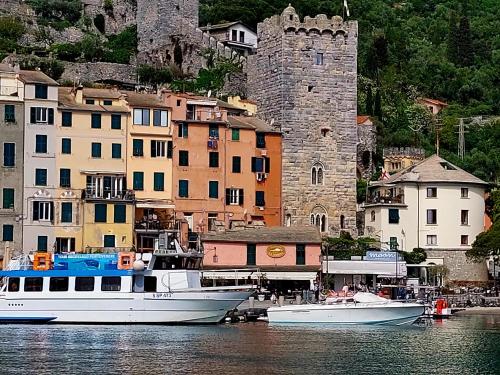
(141, 116)
(234, 196)
(432, 240)
(320, 220)
(41, 114)
(42, 211)
(158, 149)
(464, 192)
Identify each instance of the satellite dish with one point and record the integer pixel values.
(209, 93)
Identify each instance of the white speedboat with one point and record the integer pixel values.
(362, 308)
(115, 288)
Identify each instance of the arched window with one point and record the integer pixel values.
(372, 214)
(288, 220)
(342, 222)
(320, 176)
(317, 173)
(319, 218)
(313, 176)
(312, 219)
(323, 223)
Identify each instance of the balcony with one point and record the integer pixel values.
(205, 115)
(92, 194)
(385, 199)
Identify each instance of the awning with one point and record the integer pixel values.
(154, 205)
(93, 172)
(232, 275)
(365, 267)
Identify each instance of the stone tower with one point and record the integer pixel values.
(159, 22)
(304, 80)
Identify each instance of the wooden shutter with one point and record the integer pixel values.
(35, 211)
(33, 115)
(268, 164)
(153, 149)
(169, 149)
(254, 164)
(50, 116)
(241, 197)
(228, 196)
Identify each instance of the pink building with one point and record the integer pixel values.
(287, 258)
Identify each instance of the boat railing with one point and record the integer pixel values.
(107, 250)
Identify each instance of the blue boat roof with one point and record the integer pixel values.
(65, 273)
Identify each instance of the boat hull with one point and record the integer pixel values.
(124, 308)
(388, 314)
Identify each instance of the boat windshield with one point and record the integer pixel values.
(176, 262)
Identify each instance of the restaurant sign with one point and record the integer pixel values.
(276, 251)
(382, 256)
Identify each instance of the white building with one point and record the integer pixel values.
(235, 35)
(433, 205)
(40, 176)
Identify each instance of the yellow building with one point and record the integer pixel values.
(91, 164)
(248, 105)
(149, 167)
(399, 158)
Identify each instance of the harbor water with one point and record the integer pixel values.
(462, 345)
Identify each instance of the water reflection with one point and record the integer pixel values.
(462, 345)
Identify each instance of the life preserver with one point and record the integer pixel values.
(42, 261)
(125, 260)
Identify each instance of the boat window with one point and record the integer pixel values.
(33, 284)
(14, 284)
(84, 284)
(111, 283)
(149, 284)
(59, 284)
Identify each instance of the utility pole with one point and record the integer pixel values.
(464, 123)
(438, 125)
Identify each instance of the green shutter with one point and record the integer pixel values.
(183, 188)
(300, 254)
(116, 151)
(66, 212)
(137, 147)
(42, 243)
(8, 232)
(251, 254)
(116, 121)
(96, 121)
(10, 113)
(159, 181)
(138, 181)
(170, 147)
(67, 119)
(50, 116)
(236, 164)
(100, 214)
(213, 161)
(213, 189)
(66, 146)
(120, 213)
(8, 198)
(235, 135)
(109, 240)
(259, 199)
(96, 150)
(65, 177)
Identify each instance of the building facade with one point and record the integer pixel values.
(399, 158)
(235, 35)
(432, 205)
(11, 169)
(303, 78)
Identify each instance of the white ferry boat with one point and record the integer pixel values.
(114, 288)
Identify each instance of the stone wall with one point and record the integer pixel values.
(92, 72)
(314, 105)
(367, 146)
(462, 272)
(122, 15)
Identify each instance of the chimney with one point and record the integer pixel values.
(79, 94)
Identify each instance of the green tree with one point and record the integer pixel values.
(369, 101)
(465, 51)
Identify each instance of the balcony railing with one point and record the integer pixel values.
(91, 193)
(152, 224)
(398, 199)
(205, 115)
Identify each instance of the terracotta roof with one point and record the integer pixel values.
(247, 122)
(67, 101)
(434, 101)
(304, 234)
(432, 169)
(223, 26)
(362, 119)
(249, 101)
(101, 93)
(6, 68)
(136, 99)
(36, 76)
(226, 105)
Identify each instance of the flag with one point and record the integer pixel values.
(346, 8)
(384, 175)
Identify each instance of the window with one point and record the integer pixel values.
(317, 174)
(109, 240)
(342, 222)
(432, 216)
(65, 244)
(107, 102)
(43, 211)
(67, 119)
(111, 283)
(235, 134)
(41, 115)
(242, 37)
(261, 164)
(8, 232)
(183, 158)
(89, 101)
(393, 243)
(183, 130)
(170, 149)
(431, 239)
(213, 131)
(464, 192)
(393, 216)
(158, 149)
(41, 91)
(431, 192)
(261, 140)
(41, 144)
(10, 113)
(159, 181)
(33, 284)
(120, 213)
(100, 212)
(464, 217)
(320, 221)
(65, 177)
(300, 254)
(96, 150)
(42, 243)
(213, 159)
(160, 118)
(141, 116)
(66, 146)
(234, 35)
(9, 154)
(259, 199)
(183, 188)
(40, 177)
(236, 168)
(59, 284)
(178, 103)
(84, 284)
(14, 284)
(372, 215)
(116, 121)
(464, 239)
(319, 58)
(137, 147)
(96, 121)
(213, 189)
(116, 151)
(234, 197)
(138, 181)
(66, 212)
(251, 254)
(7, 198)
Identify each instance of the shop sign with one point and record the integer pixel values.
(276, 251)
(382, 256)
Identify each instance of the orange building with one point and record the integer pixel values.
(226, 167)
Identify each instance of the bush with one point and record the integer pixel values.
(69, 10)
(418, 255)
(53, 68)
(11, 28)
(67, 51)
(122, 46)
(154, 76)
